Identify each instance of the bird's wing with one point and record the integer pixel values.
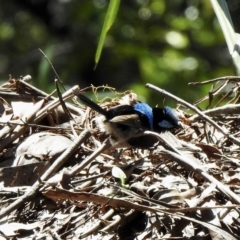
(131, 120)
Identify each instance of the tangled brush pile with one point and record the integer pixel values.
(60, 178)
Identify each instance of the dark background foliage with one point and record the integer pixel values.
(166, 43)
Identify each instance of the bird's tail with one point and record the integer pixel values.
(90, 103)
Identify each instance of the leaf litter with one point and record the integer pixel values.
(59, 179)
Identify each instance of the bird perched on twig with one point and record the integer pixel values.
(127, 123)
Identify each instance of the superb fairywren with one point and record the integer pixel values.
(126, 123)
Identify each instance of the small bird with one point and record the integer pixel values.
(127, 123)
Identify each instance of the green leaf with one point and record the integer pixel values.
(118, 173)
(233, 40)
(109, 19)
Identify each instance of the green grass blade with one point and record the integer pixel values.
(109, 19)
(233, 40)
